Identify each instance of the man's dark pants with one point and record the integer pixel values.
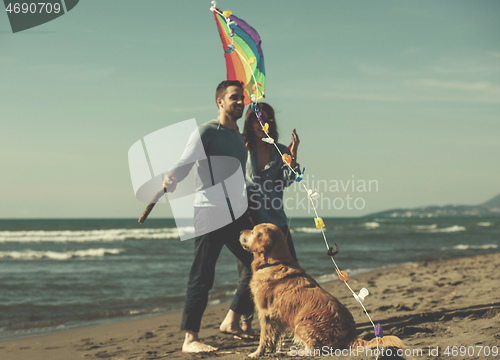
(201, 278)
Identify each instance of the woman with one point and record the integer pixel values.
(266, 174)
(266, 178)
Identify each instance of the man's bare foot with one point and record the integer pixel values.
(193, 345)
(197, 347)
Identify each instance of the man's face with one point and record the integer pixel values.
(232, 102)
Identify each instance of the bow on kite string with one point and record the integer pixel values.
(245, 62)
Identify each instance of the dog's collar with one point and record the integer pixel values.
(268, 265)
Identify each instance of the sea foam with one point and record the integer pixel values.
(371, 225)
(472, 247)
(90, 235)
(451, 229)
(305, 229)
(55, 255)
(425, 227)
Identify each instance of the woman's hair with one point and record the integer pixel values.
(250, 118)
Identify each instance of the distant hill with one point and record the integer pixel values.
(489, 208)
(493, 203)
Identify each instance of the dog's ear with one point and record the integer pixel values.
(262, 242)
(279, 250)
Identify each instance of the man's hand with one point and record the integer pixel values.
(170, 182)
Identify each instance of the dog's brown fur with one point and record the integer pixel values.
(288, 299)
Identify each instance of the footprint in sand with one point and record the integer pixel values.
(401, 307)
(147, 335)
(412, 330)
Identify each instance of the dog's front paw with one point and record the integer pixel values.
(256, 354)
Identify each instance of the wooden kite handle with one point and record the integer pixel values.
(152, 204)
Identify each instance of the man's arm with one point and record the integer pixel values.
(193, 152)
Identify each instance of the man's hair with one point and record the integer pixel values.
(250, 118)
(222, 87)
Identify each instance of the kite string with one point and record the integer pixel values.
(309, 192)
(255, 99)
(323, 233)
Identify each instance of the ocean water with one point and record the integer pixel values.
(61, 274)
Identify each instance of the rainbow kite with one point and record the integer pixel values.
(244, 58)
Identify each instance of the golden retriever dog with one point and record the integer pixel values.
(288, 299)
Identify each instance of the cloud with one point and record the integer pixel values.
(180, 109)
(374, 70)
(69, 72)
(466, 70)
(363, 95)
(192, 109)
(451, 85)
(480, 92)
(426, 90)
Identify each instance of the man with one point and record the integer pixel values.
(219, 137)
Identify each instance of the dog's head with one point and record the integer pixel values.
(267, 243)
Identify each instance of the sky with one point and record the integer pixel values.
(402, 95)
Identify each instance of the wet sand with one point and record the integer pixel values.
(431, 306)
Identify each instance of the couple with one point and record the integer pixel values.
(221, 137)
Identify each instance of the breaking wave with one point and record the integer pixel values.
(371, 225)
(306, 229)
(451, 229)
(472, 247)
(425, 227)
(90, 235)
(54, 255)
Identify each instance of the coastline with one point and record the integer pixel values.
(447, 303)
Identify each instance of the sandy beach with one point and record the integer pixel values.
(444, 309)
